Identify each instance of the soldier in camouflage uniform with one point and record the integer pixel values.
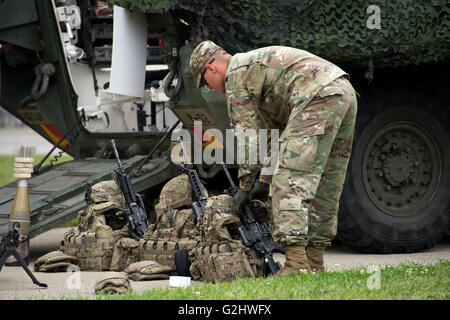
(314, 106)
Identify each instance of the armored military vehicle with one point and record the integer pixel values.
(55, 67)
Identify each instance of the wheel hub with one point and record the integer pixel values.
(401, 169)
(397, 167)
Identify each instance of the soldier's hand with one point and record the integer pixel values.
(239, 200)
(260, 191)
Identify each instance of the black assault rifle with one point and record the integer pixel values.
(198, 196)
(135, 214)
(254, 234)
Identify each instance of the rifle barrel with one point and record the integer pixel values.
(116, 154)
(186, 158)
(230, 179)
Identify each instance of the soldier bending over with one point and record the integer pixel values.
(312, 103)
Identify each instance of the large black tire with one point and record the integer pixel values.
(396, 194)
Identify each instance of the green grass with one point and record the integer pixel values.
(7, 168)
(70, 224)
(7, 165)
(406, 281)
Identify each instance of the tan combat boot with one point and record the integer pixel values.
(296, 261)
(315, 259)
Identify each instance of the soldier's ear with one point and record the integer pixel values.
(212, 67)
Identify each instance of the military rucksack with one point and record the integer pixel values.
(101, 225)
(224, 261)
(92, 252)
(219, 223)
(177, 193)
(126, 252)
(209, 249)
(163, 250)
(175, 227)
(103, 199)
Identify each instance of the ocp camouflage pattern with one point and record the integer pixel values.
(176, 193)
(315, 150)
(202, 53)
(106, 191)
(264, 87)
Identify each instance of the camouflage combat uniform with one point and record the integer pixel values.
(314, 106)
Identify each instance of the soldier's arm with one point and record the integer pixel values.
(269, 163)
(243, 91)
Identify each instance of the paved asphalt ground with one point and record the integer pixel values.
(15, 283)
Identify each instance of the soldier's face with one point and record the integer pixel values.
(215, 71)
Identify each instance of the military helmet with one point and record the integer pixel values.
(105, 191)
(177, 193)
(201, 54)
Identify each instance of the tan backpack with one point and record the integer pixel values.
(225, 261)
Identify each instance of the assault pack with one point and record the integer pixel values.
(207, 248)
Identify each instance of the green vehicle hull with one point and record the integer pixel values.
(397, 53)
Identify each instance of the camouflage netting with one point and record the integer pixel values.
(411, 32)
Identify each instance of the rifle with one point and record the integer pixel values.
(254, 234)
(198, 196)
(135, 214)
(147, 157)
